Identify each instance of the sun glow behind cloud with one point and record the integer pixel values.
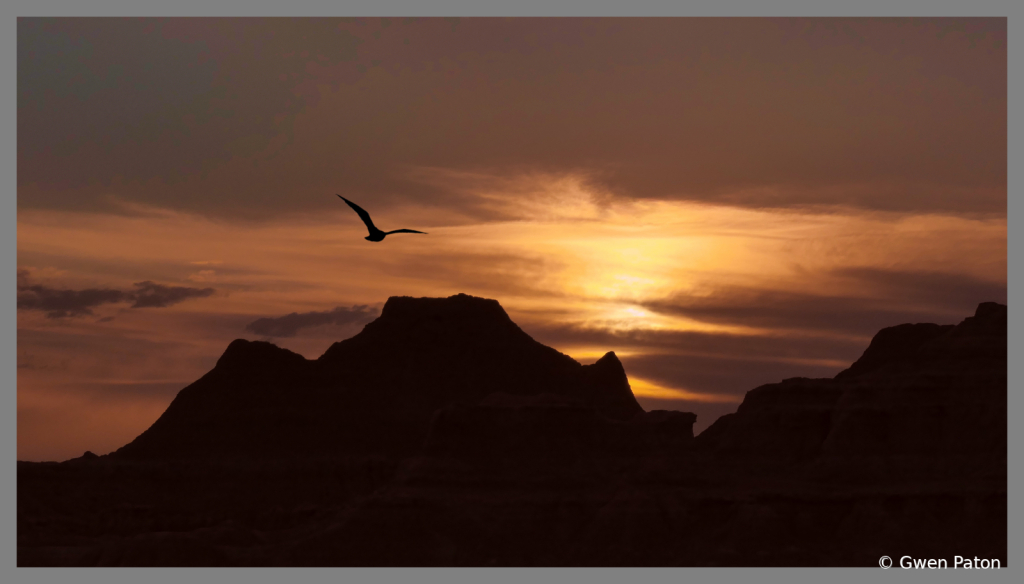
(594, 271)
(558, 255)
(637, 252)
(549, 174)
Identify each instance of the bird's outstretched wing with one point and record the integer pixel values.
(406, 231)
(362, 214)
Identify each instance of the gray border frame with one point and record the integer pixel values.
(8, 256)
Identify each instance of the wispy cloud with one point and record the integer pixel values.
(151, 294)
(289, 324)
(62, 303)
(722, 202)
(702, 303)
(875, 113)
(865, 300)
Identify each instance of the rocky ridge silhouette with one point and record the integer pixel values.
(443, 435)
(933, 394)
(374, 393)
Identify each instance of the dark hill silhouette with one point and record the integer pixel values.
(443, 435)
(376, 392)
(934, 393)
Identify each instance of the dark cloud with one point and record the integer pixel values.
(63, 303)
(289, 324)
(894, 297)
(134, 98)
(150, 294)
(58, 303)
(945, 291)
(214, 114)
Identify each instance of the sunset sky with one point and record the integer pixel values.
(722, 202)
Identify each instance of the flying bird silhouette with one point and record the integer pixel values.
(375, 234)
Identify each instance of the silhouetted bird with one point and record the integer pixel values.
(375, 234)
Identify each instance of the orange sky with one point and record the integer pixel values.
(724, 203)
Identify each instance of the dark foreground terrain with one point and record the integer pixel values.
(442, 435)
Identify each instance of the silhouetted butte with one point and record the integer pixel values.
(374, 393)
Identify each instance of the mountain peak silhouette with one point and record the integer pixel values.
(443, 435)
(242, 354)
(376, 392)
(461, 318)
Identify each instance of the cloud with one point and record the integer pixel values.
(150, 294)
(887, 298)
(875, 113)
(937, 290)
(62, 303)
(794, 348)
(289, 324)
